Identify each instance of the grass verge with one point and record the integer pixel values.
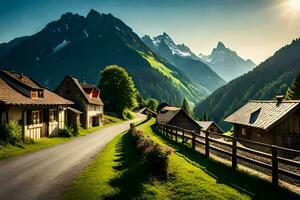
(12, 151)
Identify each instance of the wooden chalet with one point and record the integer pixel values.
(40, 111)
(274, 122)
(210, 126)
(176, 116)
(88, 106)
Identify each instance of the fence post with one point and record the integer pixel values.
(172, 133)
(194, 140)
(176, 133)
(274, 166)
(182, 136)
(131, 126)
(160, 128)
(206, 144)
(167, 131)
(234, 158)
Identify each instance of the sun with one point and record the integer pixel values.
(294, 4)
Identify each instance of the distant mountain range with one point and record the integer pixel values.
(271, 77)
(83, 46)
(227, 63)
(182, 57)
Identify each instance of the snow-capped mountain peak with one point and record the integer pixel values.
(226, 62)
(176, 49)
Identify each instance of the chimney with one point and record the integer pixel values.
(279, 98)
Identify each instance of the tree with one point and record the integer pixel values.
(205, 117)
(140, 100)
(186, 107)
(152, 104)
(293, 91)
(117, 89)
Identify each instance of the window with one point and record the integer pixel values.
(35, 117)
(37, 94)
(52, 115)
(33, 94)
(41, 94)
(244, 132)
(95, 108)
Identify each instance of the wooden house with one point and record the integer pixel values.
(40, 111)
(87, 101)
(176, 116)
(210, 126)
(273, 122)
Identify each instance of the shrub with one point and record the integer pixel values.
(76, 130)
(156, 155)
(11, 133)
(67, 132)
(127, 114)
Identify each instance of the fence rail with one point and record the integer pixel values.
(189, 136)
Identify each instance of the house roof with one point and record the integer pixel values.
(10, 96)
(74, 110)
(166, 114)
(21, 80)
(263, 114)
(81, 86)
(206, 124)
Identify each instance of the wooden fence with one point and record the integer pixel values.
(189, 136)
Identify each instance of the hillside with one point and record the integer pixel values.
(182, 57)
(227, 63)
(271, 77)
(83, 46)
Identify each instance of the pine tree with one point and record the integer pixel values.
(293, 91)
(186, 107)
(205, 117)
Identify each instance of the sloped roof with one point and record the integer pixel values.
(166, 114)
(74, 110)
(206, 124)
(96, 101)
(22, 80)
(263, 114)
(10, 96)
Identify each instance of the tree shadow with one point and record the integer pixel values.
(253, 186)
(133, 169)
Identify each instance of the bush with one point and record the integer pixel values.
(127, 114)
(11, 133)
(76, 130)
(156, 155)
(67, 132)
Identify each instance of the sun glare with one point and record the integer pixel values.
(294, 4)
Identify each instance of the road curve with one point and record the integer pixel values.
(44, 174)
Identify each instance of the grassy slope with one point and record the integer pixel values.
(218, 180)
(11, 151)
(119, 173)
(189, 180)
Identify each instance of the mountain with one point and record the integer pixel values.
(271, 77)
(227, 63)
(82, 46)
(183, 58)
(5, 47)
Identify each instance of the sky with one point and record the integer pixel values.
(255, 29)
